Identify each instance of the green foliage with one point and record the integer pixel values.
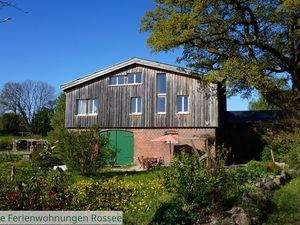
(287, 204)
(247, 43)
(256, 169)
(58, 118)
(137, 199)
(11, 123)
(41, 123)
(45, 158)
(242, 179)
(261, 104)
(195, 184)
(84, 151)
(34, 190)
(9, 158)
(285, 146)
(6, 143)
(171, 213)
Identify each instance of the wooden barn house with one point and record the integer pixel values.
(137, 101)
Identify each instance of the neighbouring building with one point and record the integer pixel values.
(137, 101)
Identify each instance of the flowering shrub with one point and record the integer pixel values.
(51, 190)
(134, 198)
(35, 191)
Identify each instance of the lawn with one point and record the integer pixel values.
(287, 201)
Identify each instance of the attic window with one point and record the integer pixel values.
(117, 80)
(134, 78)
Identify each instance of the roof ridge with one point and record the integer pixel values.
(122, 64)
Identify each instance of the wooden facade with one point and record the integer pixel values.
(206, 102)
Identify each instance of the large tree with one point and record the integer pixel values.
(26, 98)
(253, 44)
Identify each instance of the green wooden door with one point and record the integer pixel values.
(122, 143)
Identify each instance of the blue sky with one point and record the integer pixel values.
(61, 40)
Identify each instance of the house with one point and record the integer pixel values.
(138, 100)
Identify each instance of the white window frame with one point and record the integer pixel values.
(158, 95)
(165, 97)
(181, 111)
(117, 77)
(134, 78)
(94, 106)
(136, 106)
(87, 103)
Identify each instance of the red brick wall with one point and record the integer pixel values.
(144, 146)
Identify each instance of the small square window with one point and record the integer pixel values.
(138, 78)
(113, 80)
(121, 79)
(134, 78)
(182, 103)
(130, 78)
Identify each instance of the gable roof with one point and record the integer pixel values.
(129, 62)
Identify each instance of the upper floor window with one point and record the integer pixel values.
(117, 80)
(134, 78)
(161, 104)
(182, 103)
(87, 106)
(161, 91)
(161, 83)
(136, 105)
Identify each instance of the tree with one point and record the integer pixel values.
(58, 118)
(261, 104)
(41, 123)
(11, 123)
(253, 44)
(26, 98)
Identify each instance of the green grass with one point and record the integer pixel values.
(287, 201)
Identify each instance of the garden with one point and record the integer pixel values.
(190, 191)
(187, 192)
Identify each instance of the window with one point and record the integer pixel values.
(161, 84)
(87, 107)
(161, 90)
(92, 106)
(134, 78)
(161, 104)
(182, 103)
(81, 107)
(136, 105)
(117, 80)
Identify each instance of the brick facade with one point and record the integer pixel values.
(144, 146)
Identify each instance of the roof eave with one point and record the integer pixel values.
(126, 63)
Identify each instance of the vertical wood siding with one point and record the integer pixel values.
(114, 102)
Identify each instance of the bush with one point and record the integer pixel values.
(6, 143)
(34, 190)
(84, 151)
(135, 198)
(285, 146)
(196, 185)
(45, 158)
(9, 158)
(171, 213)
